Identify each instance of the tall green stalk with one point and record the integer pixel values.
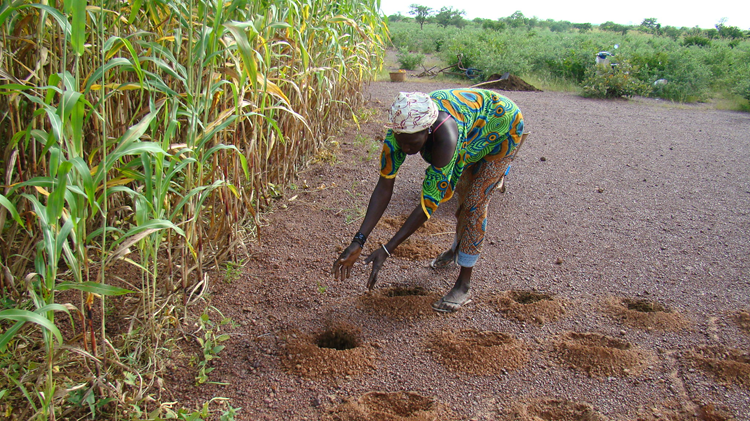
(146, 130)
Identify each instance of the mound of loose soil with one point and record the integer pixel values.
(395, 406)
(600, 355)
(529, 306)
(731, 366)
(416, 249)
(478, 352)
(507, 82)
(400, 303)
(645, 314)
(552, 410)
(428, 241)
(710, 412)
(683, 411)
(743, 320)
(432, 227)
(334, 352)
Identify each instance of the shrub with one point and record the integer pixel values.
(408, 60)
(696, 40)
(743, 89)
(689, 79)
(571, 66)
(614, 82)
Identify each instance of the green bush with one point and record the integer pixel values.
(743, 89)
(614, 82)
(408, 60)
(571, 66)
(741, 80)
(689, 79)
(696, 40)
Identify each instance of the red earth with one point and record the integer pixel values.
(614, 281)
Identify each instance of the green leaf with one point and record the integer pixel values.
(78, 27)
(246, 51)
(56, 200)
(9, 334)
(88, 182)
(154, 224)
(28, 316)
(93, 287)
(134, 11)
(12, 209)
(99, 73)
(59, 17)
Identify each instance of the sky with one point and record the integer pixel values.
(689, 13)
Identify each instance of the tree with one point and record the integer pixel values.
(650, 25)
(516, 20)
(450, 16)
(671, 32)
(398, 17)
(560, 26)
(730, 32)
(614, 27)
(420, 13)
(495, 25)
(582, 27)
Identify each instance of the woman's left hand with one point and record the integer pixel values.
(377, 258)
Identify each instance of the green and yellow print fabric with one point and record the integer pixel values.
(489, 127)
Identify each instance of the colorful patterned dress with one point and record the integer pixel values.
(489, 129)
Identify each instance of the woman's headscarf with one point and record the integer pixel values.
(412, 112)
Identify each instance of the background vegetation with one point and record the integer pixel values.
(692, 64)
(143, 138)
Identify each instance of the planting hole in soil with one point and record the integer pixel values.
(600, 355)
(336, 352)
(645, 314)
(478, 352)
(731, 366)
(553, 410)
(381, 406)
(645, 306)
(528, 297)
(337, 338)
(400, 302)
(405, 292)
(529, 306)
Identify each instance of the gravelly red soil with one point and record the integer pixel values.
(608, 202)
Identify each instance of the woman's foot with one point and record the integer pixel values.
(453, 300)
(444, 260)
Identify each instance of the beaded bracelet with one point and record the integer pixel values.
(360, 238)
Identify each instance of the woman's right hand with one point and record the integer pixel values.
(342, 267)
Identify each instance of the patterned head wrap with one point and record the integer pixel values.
(412, 112)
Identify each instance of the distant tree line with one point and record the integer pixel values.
(448, 16)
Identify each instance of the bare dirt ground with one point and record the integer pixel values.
(614, 283)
